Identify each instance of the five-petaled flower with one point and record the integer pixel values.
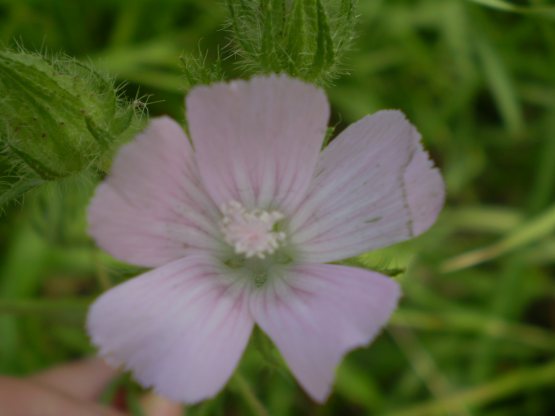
(239, 227)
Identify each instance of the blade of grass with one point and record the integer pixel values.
(474, 322)
(20, 277)
(425, 366)
(529, 232)
(508, 7)
(483, 219)
(70, 311)
(504, 386)
(502, 305)
(544, 185)
(357, 386)
(501, 85)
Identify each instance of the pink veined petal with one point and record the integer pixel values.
(374, 185)
(321, 313)
(257, 141)
(180, 328)
(152, 208)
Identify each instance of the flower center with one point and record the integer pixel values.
(252, 233)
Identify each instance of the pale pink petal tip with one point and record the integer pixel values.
(425, 191)
(321, 314)
(151, 208)
(257, 141)
(178, 328)
(374, 186)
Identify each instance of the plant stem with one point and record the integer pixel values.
(504, 386)
(245, 390)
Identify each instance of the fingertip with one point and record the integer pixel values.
(155, 405)
(84, 379)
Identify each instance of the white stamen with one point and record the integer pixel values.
(251, 232)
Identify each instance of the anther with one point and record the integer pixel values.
(251, 232)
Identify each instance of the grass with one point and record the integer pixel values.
(474, 333)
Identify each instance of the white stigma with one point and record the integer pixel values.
(251, 232)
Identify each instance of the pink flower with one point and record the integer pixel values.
(238, 230)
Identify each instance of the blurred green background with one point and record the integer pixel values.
(475, 331)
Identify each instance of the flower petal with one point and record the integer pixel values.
(319, 314)
(257, 141)
(180, 328)
(152, 209)
(374, 186)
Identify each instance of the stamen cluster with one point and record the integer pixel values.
(251, 232)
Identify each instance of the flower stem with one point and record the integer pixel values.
(245, 390)
(101, 274)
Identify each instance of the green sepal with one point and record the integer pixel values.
(197, 70)
(43, 171)
(324, 54)
(296, 37)
(103, 137)
(14, 191)
(59, 117)
(122, 120)
(307, 39)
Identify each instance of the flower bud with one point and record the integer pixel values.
(307, 39)
(58, 117)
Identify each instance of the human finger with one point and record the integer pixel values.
(84, 379)
(155, 405)
(25, 398)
